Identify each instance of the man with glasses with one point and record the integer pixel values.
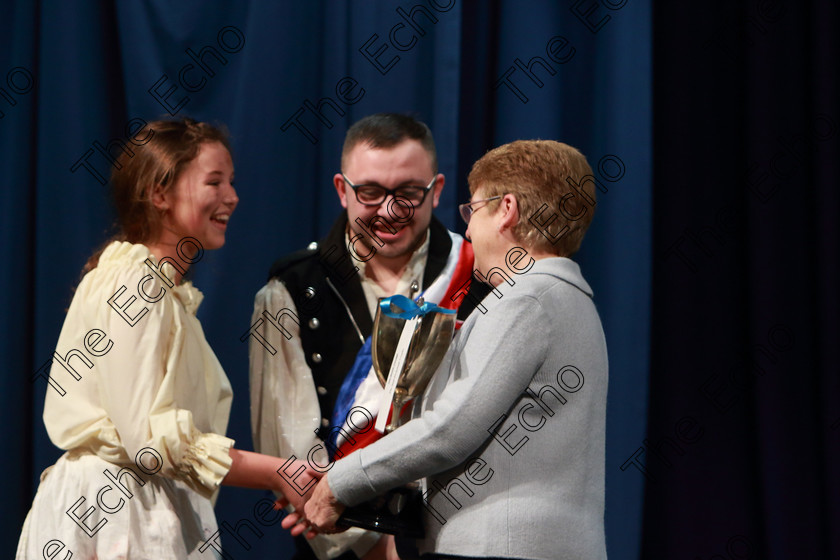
(306, 376)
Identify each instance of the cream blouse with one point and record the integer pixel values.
(154, 384)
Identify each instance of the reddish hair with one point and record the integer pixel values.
(537, 173)
(156, 165)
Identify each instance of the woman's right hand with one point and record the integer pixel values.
(296, 480)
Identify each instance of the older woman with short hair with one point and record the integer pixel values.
(510, 435)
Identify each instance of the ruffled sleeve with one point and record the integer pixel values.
(201, 459)
(208, 459)
(155, 384)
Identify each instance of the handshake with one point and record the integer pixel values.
(316, 509)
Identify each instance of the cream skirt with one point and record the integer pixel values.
(162, 519)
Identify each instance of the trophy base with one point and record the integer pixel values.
(397, 512)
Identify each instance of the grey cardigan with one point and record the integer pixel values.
(510, 435)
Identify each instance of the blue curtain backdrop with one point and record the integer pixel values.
(289, 79)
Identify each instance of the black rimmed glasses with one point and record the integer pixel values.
(374, 195)
(467, 209)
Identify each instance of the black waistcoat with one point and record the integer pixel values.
(326, 288)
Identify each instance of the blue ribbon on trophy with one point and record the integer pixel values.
(409, 307)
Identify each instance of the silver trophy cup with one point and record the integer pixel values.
(429, 341)
(399, 511)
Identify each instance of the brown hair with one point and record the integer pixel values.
(157, 164)
(539, 173)
(386, 130)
